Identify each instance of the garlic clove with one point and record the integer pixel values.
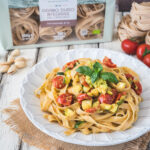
(20, 59)
(4, 68)
(10, 59)
(12, 69)
(20, 64)
(16, 52)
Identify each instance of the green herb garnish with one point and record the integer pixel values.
(78, 123)
(60, 73)
(97, 73)
(109, 77)
(146, 52)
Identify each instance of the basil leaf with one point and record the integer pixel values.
(109, 77)
(94, 76)
(60, 73)
(78, 123)
(84, 70)
(97, 67)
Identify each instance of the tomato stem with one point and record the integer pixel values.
(146, 52)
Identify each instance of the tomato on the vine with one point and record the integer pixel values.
(129, 46)
(146, 60)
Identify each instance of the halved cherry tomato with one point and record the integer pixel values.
(107, 61)
(91, 110)
(129, 46)
(137, 87)
(65, 99)
(83, 82)
(146, 60)
(141, 49)
(58, 82)
(69, 65)
(105, 98)
(83, 96)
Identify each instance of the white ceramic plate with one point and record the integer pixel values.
(31, 104)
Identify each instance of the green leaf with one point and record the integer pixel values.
(94, 76)
(109, 77)
(60, 73)
(84, 70)
(78, 123)
(97, 67)
(146, 52)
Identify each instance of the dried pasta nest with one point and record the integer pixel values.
(54, 33)
(25, 31)
(37, 11)
(86, 10)
(22, 12)
(147, 38)
(137, 23)
(85, 27)
(128, 30)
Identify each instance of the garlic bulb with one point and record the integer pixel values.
(12, 69)
(20, 59)
(20, 64)
(10, 59)
(4, 68)
(15, 52)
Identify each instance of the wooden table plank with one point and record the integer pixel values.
(10, 87)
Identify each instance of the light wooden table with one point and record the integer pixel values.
(10, 84)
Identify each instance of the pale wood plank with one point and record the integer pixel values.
(84, 46)
(10, 87)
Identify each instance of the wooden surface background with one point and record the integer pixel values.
(10, 84)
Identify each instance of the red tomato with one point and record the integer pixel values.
(83, 82)
(83, 96)
(65, 99)
(129, 46)
(137, 87)
(129, 76)
(141, 49)
(107, 61)
(91, 110)
(146, 60)
(105, 98)
(69, 65)
(58, 82)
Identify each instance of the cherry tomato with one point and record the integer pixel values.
(137, 87)
(65, 99)
(146, 60)
(70, 65)
(83, 82)
(91, 110)
(83, 96)
(58, 82)
(129, 46)
(107, 61)
(141, 49)
(105, 98)
(129, 76)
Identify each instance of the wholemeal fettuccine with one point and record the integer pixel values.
(91, 96)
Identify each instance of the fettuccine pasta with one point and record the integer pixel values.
(91, 96)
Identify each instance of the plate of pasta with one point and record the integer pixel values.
(88, 97)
